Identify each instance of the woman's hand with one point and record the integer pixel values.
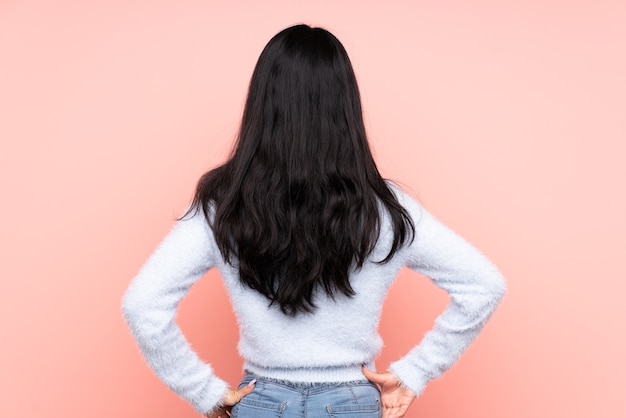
(395, 399)
(230, 399)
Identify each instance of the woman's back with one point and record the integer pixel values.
(330, 344)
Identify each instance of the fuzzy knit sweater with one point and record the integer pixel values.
(327, 346)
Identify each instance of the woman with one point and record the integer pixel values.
(308, 238)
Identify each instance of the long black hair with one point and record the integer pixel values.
(296, 206)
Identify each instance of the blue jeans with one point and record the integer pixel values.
(280, 399)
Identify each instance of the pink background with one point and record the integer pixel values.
(507, 119)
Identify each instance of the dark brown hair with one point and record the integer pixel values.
(296, 206)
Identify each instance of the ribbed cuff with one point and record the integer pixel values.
(409, 376)
(212, 397)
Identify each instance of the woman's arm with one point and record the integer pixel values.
(474, 285)
(149, 308)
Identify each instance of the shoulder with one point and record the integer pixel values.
(415, 210)
(192, 233)
(193, 221)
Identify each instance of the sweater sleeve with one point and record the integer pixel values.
(149, 308)
(473, 283)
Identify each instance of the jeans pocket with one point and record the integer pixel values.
(255, 408)
(369, 410)
(360, 401)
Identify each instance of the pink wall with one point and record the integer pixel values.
(507, 119)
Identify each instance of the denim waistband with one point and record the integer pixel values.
(310, 388)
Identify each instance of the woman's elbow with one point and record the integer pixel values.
(499, 286)
(133, 307)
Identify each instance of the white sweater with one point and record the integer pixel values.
(327, 346)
